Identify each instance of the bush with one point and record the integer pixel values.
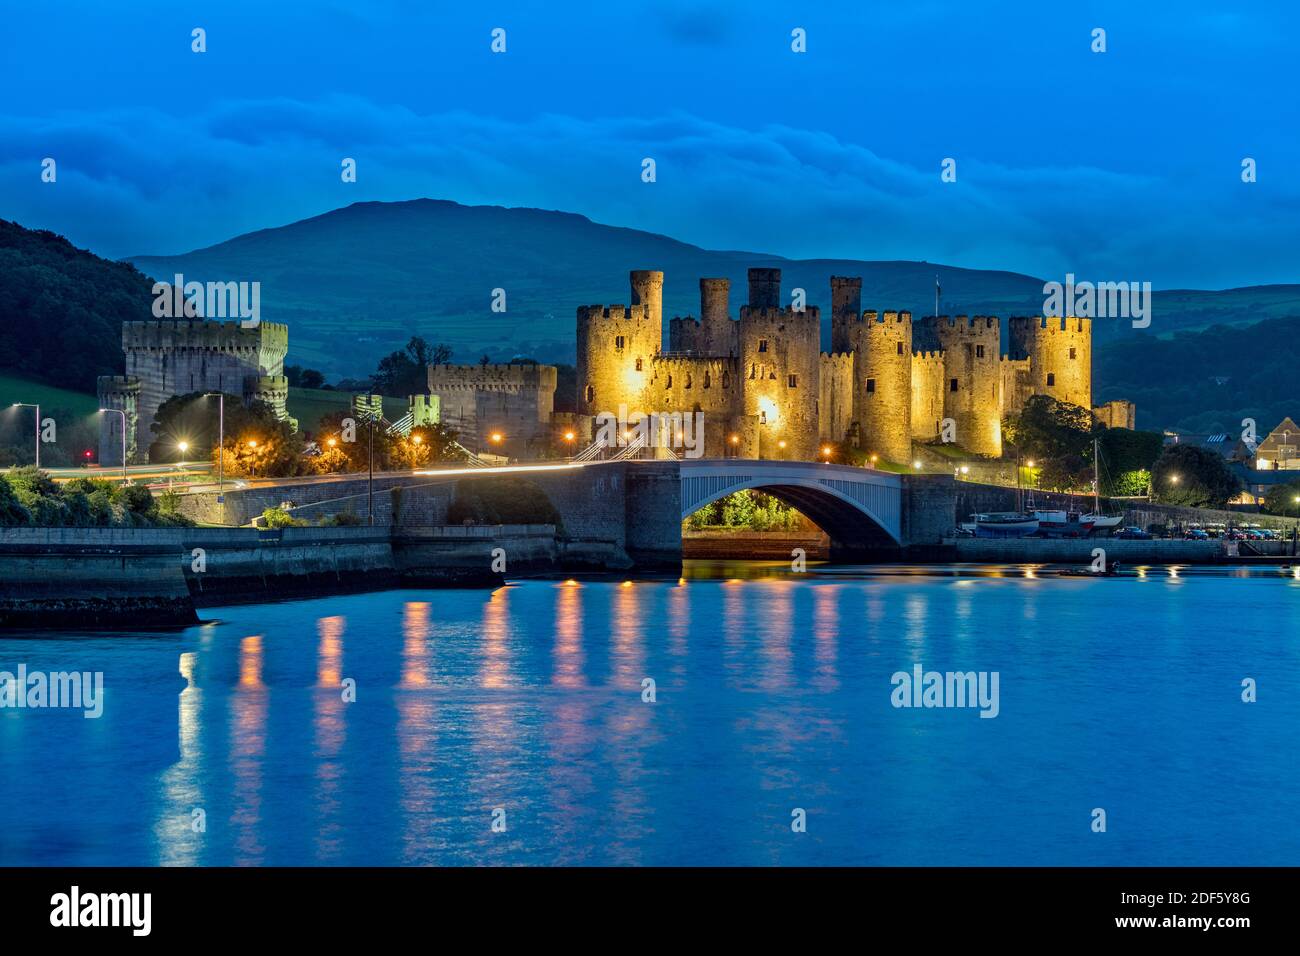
(31, 497)
(344, 519)
(280, 518)
(1193, 477)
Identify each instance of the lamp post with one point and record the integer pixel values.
(123, 414)
(370, 480)
(221, 443)
(38, 427)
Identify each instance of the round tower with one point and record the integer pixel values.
(972, 379)
(1059, 353)
(780, 359)
(846, 310)
(717, 329)
(882, 385)
(648, 291)
(765, 288)
(615, 347)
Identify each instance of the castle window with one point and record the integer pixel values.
(618, 343)
(1071, 351)
(670, 381)
(1051, 378)
(794, 381)
(726, 380)
(871, 385)
(979, 351)
(638, 365)
(706, 379)
(591, 393)
(762, 417)
(688, 379)
(900, 348)
(762, 345)
(952, 385)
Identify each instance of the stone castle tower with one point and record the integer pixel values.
(514, 402)
(1059, 355)
(167, 357)
(766, 390)
(780, 355)
(972, 391)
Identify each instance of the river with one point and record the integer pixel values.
(514, 726)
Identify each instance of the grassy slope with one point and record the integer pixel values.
(15, 389)
(309, 405)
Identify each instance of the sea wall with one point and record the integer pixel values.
(1079, 551)
(760, 545)
(245, 565)
(143, 578)
(89, 578)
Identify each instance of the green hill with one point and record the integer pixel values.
(1206, 381)
(62, 308)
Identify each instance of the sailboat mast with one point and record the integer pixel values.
(1096, 479)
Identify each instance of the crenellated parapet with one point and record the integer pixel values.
(1059, 353)
(972, 352)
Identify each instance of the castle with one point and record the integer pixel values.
(175, 357)
(766, 390)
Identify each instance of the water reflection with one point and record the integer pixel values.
(247, 752)
(417, 738)
(772, 693)
(568, 665)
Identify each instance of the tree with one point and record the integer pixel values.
(1046, 428)
(406, 372)
(1281, 500)
(1193, 477)
(357, 451)
(300, 377)
(1126, 460)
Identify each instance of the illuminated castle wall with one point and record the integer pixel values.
(768, 391)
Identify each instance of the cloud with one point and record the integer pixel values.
(143, 181)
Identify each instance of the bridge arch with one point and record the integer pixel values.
(859, 508)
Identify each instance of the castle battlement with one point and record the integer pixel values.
(613, 313)
(778, 315)
(1072, 325)
(976, 324)
(886, 380)
(209, 334)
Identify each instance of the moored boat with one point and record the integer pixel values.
(1003, 524)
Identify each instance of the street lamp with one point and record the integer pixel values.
(123, 414)
(252, 443)
(221, 443)
(38, 427)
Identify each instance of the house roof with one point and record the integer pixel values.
(1287, 432)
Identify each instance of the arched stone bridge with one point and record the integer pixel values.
(860, 508)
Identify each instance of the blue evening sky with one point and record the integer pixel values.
(1120, 165)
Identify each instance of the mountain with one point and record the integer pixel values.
(62, 308)
(354, 284)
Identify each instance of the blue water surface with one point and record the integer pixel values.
(232, 743)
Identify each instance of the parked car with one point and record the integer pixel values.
(1196, 534)
(1133, 534)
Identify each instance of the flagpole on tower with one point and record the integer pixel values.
(936, 296)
